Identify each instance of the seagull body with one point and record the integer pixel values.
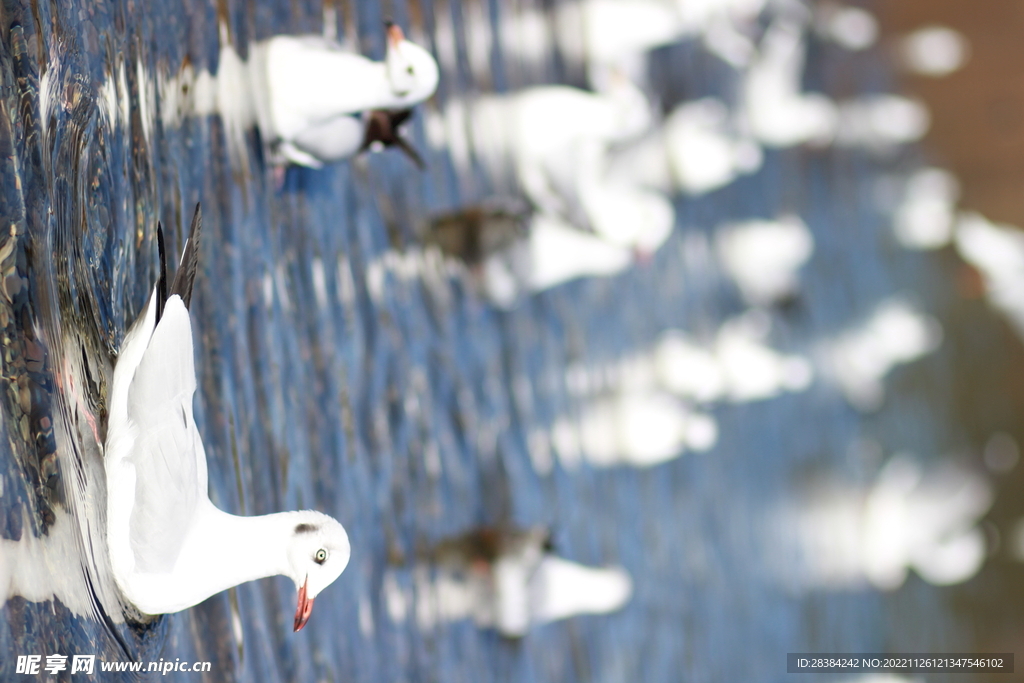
(553, 253)
(474, 233)
(628, 217)
(556, 138)
(764, 257)
(545, 119)
(643, 429)
(544, 133)
(777, 111)
(312, 82)
(513, 253)
(170, 547)
(616, 31)
(695, 151)
(344, 136)
(337, 138)
(925, 519)
(559, 253)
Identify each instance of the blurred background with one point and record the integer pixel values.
(726, 338)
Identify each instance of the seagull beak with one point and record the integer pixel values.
(642, 256)
(395, 35)
(304, 609)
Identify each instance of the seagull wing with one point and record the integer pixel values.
(186, 275)
(168, 456)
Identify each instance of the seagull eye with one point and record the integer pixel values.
(321, 556)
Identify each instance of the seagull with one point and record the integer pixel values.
(475, 232)
(512, 252)
(170, 547)
(556, 139)
(775, 108)
(540, 131)
(345, 136)
(311, 82)
(696, 150)
(522, 582)
(560, 253)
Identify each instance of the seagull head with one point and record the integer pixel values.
(318, 553)
(412, 71)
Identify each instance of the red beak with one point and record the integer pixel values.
(304, 609)
(395, 35)
(642, 256)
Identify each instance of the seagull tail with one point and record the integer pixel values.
(382, 126)
(410, 152)
(161, 285)
(186, 275)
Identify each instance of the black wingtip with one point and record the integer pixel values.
(186, 275)
(399, 117)
(396, 119)
(410, 152)
(161, 284)
(382, 126)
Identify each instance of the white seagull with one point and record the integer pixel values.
(311, 82)
(170, 548)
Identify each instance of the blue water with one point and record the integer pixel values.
(349, 405)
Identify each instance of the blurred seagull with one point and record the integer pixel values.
(556, 140)
(475, 232)
(525, 583)
(764, 257)
(776, 109)
(514, 252)
(558, 253)
(642, 429)
(170, 548)
(312, 82)
(548, 134)
(697, 150)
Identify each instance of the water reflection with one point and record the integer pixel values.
(56, 573)
(22, 563)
